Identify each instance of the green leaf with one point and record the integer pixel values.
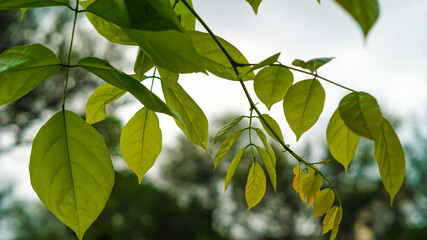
(310, 183)
(227, 127)
(303, 105)
(188, 20)
(323, 202)
(266, 62)
(142, 64)
(254, 4)
(214, 59)
(365, 12)
(267, 146)
(141, 142)
(255, 185)
(312, 64)
(23, 11)
(361, 113)
(71, 170)
(342, 142)
(23, 68)
(332, 219)
(272, 83)
(108, 73)
(390, 159)
(232, 168)
(100, 98)
(168, 78)
(193, 121)
(225, 146)
(274, 125)
(17, 4)
(270, 165)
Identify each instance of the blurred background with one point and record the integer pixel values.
(182, 197)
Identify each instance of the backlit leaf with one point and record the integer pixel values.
(255, 185)
(227, 127)
(233, 166)
(272, 83)
(168, 78)
(71, 170)
(100, 98)
(297, 179)
(323, 202)
(310, 183)
(225, 146)
(108, 73)
(274, 125)
(342, 142)
(332, 219)
(303, 105)
(365, 12)
(254, 4)
(214, 59)
(17, 4)
(142, 64)
(269, 165)
(188, 21)
(312, 64)
(23, 68)
(266, 62)
(193, 121)
(361, 113)
(390, 159)
(267, 146)
(23, 11)
(141, 142)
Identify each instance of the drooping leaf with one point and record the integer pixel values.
(100, 98)
(23, 11)
(232, 168)
(267, 146)
(323, 202)
(255, 185)
(193, 121)
(365, 12)
(342, 142)
(273, 124)
(23, 68)
(215, 61)
(141, 142)
(361, 113)
(225, 146)
(390, 159)
(272, 83)
(168, 78)
(312, 64)
(269, 165)
(188, 21)
(227, 127)
(71, 170)
(332, 219)
(142, 64)
(334, 233)
(311, 183)
(17, 4)
(303, 105)
(108, 73)
(254, 4)
(297, 179)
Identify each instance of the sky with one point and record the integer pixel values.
(389, 64)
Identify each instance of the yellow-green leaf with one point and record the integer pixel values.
(332, 219)
(232, 168)
(267, 146)
(23, 11)
(188, 20)
(323, 202)
(274, 125)
(269, 165)
(365, 12)
(254, 4)
(168, 78)
(142, 64)
(303, 105)
(390, 159)
(71, 170)
(227, 127)
(141, 142)
(272, 83)
(361, 113)
(310, 184)
(225, 146)
(17, 4)
(255, 185)
(342, 142)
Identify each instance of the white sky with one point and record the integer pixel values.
(390, 64)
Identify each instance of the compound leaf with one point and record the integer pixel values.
(323, 202)
(255, 185)
(71, 170)
(303, 105)
(232, 168)
(141, 141)
(274, 125)
(267, 146)
(227, 127)
(23, 68)
(269, 164)
(225, 146)
(365, 12)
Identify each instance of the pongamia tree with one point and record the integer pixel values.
(70, 165)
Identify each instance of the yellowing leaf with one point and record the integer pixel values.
(255, 185)
(342, 142)
(297, 179)
(332, 219)
(303, 105)
(269, 165)
(361, 113)
(232, 168)
(390, 159)
(141, 142)
(323, 202)
(310, 184)
(225, 147)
